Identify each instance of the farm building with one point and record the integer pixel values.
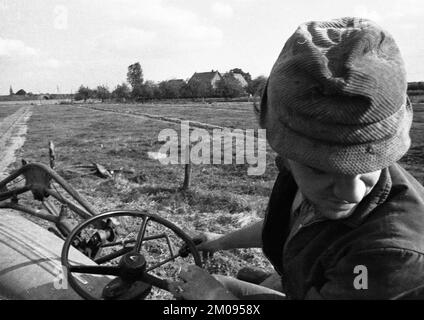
(210, 78)
(21, 92)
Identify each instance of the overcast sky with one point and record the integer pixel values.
(51, 45)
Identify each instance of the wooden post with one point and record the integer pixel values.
(52, 154)
(187, 172)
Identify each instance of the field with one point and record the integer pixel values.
(6, 110)
(231, 115)
(414, 159)
(222, 198)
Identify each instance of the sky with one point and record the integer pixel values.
(55, 46)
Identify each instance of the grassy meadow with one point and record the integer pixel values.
(7, 110)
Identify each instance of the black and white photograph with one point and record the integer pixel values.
(183, 151)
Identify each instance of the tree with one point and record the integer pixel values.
(148, 90)
(415, 85)
(157, 94)
(197, 89)
(256, 86)
(245, 75)
(229, 87)
(103, 93)
(137, 92)
(11, 91)
(170, 89)
(135, 79)
(122, 92)
(84, 93)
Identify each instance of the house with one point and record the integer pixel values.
(21, 92)
(210, 78)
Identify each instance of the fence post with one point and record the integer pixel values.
(52, 154)
(187, 171)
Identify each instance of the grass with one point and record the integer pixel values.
(224, 114)
(6, 111)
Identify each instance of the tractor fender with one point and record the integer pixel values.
(30, 263)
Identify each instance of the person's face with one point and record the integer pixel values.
(333, 195)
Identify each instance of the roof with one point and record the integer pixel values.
(21, 92)
(240, 79)
(204, 76)
(178, 82)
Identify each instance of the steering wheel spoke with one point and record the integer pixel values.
(100, 270)
(142, 232)
(157, 265)
(155, 281)
(113, 255)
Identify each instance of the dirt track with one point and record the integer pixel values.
(12, 136)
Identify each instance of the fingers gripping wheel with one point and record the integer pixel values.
(141, 259)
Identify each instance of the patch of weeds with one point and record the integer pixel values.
(210, 201)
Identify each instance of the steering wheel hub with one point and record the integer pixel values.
(132, 266)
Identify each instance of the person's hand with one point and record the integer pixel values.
(204, 242)
(198, 284)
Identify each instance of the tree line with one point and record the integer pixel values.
(137, 89)
(415, 88)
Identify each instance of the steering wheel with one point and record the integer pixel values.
(133, 255)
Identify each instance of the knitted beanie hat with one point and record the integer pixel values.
(336, 98)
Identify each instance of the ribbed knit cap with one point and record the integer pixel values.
(336, 98)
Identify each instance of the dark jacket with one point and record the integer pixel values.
(326, 260)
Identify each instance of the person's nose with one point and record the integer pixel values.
(349, 188)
